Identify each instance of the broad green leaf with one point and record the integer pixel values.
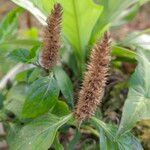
(12, 129)
(79, 18)
(28, 5)
(15, 99)
(34, 55)
(28, 76)
(108, 140)
(33, 51)
(112, 10)
(137, 104)
(44, 5)
(41, 97)
(39, 134)
(25, 55)
(34, 75)
(64, 84)
(123, 54)
(126, 142)
(9, 24)
(20, 55)
(23, 76)
(60, 109)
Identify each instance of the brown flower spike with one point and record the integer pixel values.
(50, 53)
(95, 80)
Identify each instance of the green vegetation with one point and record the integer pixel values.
(37, 107)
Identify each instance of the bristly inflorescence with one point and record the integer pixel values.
(52, 44)
(95, 79)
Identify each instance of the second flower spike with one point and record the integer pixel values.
(95, 80)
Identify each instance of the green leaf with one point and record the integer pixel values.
(28, 76)
(124, 54)
(60, 109)
(23, 76)
(35, 74)
(12, 129)
(33, 51)
(126, 142)
(143, 1)
(41, 97)
(20, 55)
(28, 5)
(30, 33)
(24, 55)
(21, 43)
(45, 5)
(137, 104)
(39, 134)
(112, 10)
(15, 99)
(56, 144)
(76, 27)
(108, 140)
(64, 84)
(9, 24)
(34, 54)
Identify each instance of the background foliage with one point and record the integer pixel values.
(37, 108)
